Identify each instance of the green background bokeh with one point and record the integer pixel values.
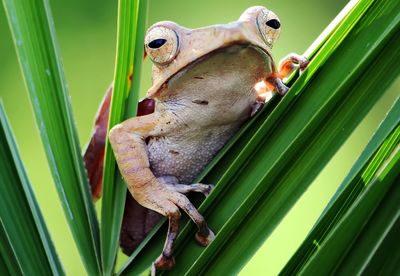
(86, 32)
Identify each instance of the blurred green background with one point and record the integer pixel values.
(86, 32)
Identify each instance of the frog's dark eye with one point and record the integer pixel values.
(157, 43)
(161, 44)
(269, 26)
(273, 23)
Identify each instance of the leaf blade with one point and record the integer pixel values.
(26, 246)
(132, 20)
(272, 132)
(32, 28)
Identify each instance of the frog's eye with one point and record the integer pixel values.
(269, 26)
(273, 23)
(161, 44)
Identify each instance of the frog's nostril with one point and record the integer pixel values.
(273, 23)
(157, 43)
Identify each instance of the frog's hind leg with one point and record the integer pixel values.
(166, 261)
(168, 206)
(204, 235)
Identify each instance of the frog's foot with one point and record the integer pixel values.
(172, 183)
(205, 239)
(167, 201)
(204, 235)
(164, 262)
(290, 63)
(208, 188)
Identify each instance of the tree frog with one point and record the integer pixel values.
(207, 83)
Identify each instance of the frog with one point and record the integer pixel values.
(206, 84)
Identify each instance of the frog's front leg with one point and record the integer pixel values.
(130, 149)
(286, 66)
(290, 63)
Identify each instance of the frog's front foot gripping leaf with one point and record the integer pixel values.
(286, 66)
(276, 81)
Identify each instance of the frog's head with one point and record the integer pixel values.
(246, 44)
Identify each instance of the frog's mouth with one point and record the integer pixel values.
(235, 47)
(243, 65)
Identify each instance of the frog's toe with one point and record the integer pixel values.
(164, 262)
(184, 188)
(208, 189)
(205, 240)
(303, 63)
(205, 189)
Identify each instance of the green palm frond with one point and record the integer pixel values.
(131, 23)
(268, 167)
(357, 230)
(21, 223)
(259, 175)
(33, 33)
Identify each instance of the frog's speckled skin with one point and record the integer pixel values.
(204, 90)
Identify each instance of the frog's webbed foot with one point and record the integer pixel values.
(167, 200)
(205, 239)
(163, 263)
(172, 183)
(290, 63)
(204, 235)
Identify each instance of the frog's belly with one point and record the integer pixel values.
(185, 157)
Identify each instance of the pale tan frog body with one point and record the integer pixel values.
(204, 90)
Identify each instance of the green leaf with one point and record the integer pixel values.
(384, 142)
(306, 152)
(131, 23)
(353, 240)
(26, 247)
(268, 168)
(33, 33)
(375, 247)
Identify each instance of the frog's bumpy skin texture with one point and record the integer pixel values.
(187, 161)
